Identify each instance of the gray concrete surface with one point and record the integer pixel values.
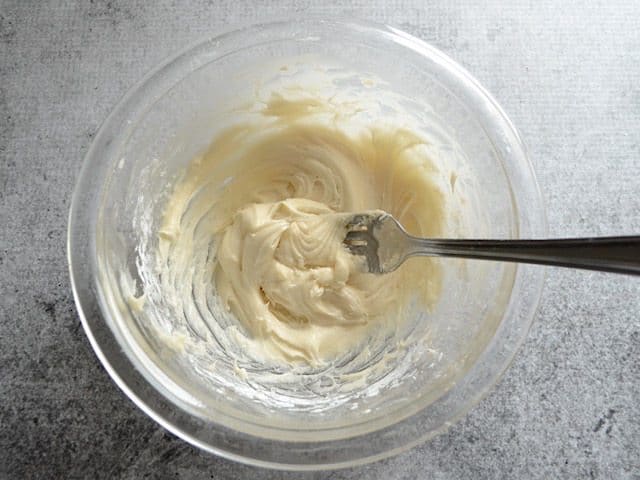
(568, 74)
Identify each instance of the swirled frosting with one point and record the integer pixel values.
(248, 227)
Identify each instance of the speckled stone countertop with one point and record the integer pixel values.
(567, 73)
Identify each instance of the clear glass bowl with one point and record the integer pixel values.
(158, 127)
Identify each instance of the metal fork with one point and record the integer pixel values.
(385, 244)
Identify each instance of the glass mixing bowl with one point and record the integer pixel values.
(166, 119)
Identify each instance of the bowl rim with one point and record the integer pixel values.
(126, 374)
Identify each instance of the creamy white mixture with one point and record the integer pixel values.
(247, 223)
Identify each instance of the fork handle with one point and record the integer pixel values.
(608, 254)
